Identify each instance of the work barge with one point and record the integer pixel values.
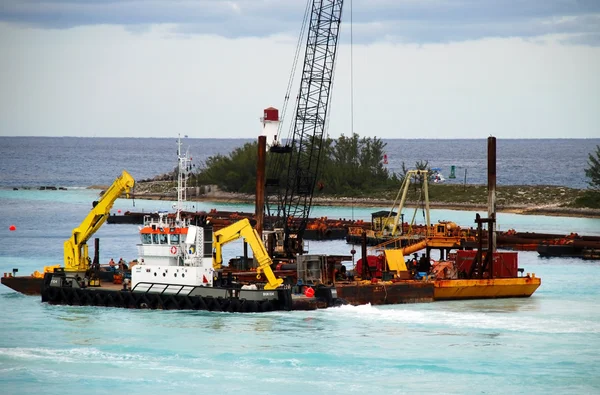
(268, 283)
(546, 244)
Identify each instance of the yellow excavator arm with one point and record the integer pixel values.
(243, 229)
(76, 250)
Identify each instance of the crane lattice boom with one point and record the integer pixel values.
(297, 165)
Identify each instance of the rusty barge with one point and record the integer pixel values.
(306, 282)
(546, 244)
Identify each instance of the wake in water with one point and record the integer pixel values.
(462, 318)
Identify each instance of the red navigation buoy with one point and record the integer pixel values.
(12, 228)
(309, 292)
(119, 211)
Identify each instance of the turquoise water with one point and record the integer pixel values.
(549, 343)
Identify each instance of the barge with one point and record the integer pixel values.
(180, 267)
(547, 244)
(317, 228)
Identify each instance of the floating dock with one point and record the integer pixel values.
(344, 292)
(226, 299)
(546, 244)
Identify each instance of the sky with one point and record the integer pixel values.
(408, 68)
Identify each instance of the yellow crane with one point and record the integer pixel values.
(444, 235)
(76, 258)
(243, 229)
(411, 174)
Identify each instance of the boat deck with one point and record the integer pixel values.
(355, 293)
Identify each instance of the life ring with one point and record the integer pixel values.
(173, 250)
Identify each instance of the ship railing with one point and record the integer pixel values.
(168, 289)
(164, 221)
(397, 242)
(172, 289)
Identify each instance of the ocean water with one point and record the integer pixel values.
(81, 162)
(549, 343)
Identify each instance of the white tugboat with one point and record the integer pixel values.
(173, 252)
(177, 267)
(176, 256)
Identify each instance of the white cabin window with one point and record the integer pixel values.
(163, 239)
(146, 238)
(155, 238)
(174, 239)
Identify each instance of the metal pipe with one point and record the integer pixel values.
(492, 191)
(96, 260)
(260, 184)
(426, 188)
(246, 266)
(365, 262)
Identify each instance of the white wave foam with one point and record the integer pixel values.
(455, 319)
(72, 355)
(166, 364)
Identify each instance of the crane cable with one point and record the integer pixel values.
(351, 108)
(334, 68)
(294, 66)
(351, 76)
(276, 168)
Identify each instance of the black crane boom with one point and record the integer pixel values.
(296, 169)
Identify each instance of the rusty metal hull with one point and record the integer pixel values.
(357, 293)
(485, 288)
(113, 295)
(27, 285)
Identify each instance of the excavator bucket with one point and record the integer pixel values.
(395, 261)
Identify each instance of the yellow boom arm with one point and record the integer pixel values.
(243, 229)
(76, 249)
(404, 190)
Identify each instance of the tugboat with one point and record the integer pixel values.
(176, 268)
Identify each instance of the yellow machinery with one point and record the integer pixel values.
(424, 174)
(387, 227)
(243, 229)
(76, 258)
(444, 234)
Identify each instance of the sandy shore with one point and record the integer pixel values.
(549, 210)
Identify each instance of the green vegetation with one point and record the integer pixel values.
(593, 172)
(506, 195)
(353, 167)
(233, 173)
(591, 197)
(588, 199)
(349, 166)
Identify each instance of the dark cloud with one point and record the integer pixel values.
(418, 21)
(412, 31)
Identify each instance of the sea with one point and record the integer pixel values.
(81, 162)
(548, 343)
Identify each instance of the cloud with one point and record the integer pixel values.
(418, 31)
(412, 21)
(226, 18)
(109, 81)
